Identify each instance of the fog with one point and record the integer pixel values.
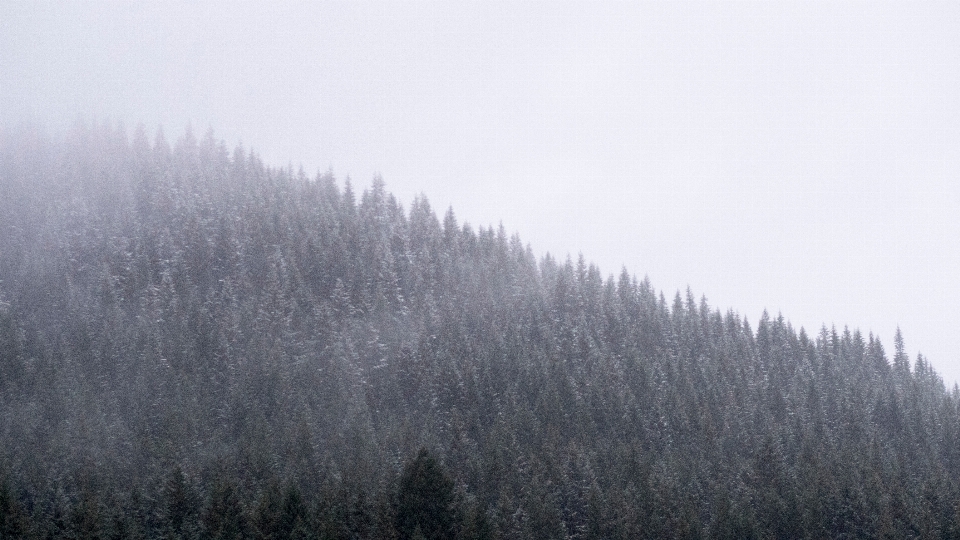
(795, 157)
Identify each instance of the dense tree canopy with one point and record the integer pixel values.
(193, 344)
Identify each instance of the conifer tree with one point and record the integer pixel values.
(425, 500)
(13, 518)
(224, 517)
(180, 510)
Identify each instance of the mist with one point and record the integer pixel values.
(793, 157)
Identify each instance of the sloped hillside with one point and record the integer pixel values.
(193, 344)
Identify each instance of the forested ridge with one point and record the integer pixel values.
(196, 345)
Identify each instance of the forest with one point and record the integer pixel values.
(195, 344)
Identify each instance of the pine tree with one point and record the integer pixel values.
(901, 361)
(224, 517)
(425, 500)
(13, 518)
(180, 505)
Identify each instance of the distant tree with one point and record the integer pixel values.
(14, 522)
(224, 517)
(425, 500)
(267, 516)
(360, 516)
(86, 518)
(476, 525)
(294, 518)
(180, 506)
(280, 515)
(11, 362)
(733, 523)
(901, 360)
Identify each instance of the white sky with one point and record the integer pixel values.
(800, 157)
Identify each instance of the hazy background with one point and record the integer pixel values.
(800, 157)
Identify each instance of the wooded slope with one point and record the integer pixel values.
(191, 340)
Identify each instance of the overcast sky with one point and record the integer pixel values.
(799, 157)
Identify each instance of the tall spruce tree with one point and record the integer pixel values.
(425, 500)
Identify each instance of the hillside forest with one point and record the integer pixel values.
(195, 344)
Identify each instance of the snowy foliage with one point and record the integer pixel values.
(195, 344)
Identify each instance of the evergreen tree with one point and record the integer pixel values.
(14, 522)
(224, 517)
(425, 500)
(180, 510)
